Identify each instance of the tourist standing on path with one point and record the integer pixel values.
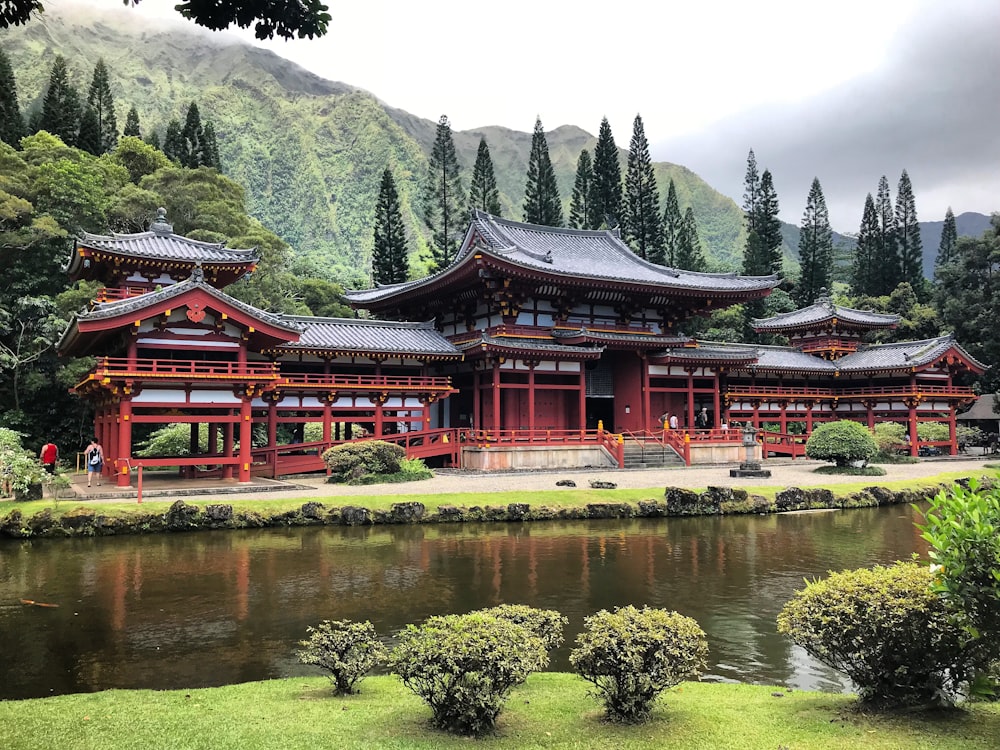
(94, 456)
(673, 422)
(50, 456)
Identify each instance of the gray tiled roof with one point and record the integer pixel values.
(780, 358)
(824, 310)
(621, 337)
(710, 352)
(902, 355)
(576, 253)
(349, 334)
(513, 342)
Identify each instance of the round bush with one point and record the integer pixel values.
(842, 442)
(545, 624)
(352, 460)
(885, 629)
(464, 667)
(632, 655)
(345, 649)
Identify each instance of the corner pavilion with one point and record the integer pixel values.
(535, 347)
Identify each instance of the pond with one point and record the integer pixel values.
(212, 608)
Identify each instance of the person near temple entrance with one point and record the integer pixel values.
(94, 456)
(672, 422)
(701, 421)
(50, 456)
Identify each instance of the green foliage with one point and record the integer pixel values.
(888, 436)
(138, 157)
(967, 436)
(483, 191)
(352, 460)
(885, 629)
(815, 248)
(99, 99)
(632, 655)
(346, 649)
(962, 526)
(579, 205)
(842, 442)
(885, 267)
(949, 238)
(933, 431)
(606, 198)
(442, 212)
(689, 254)
(908, 243)
(12, 128)
(464, 667)
(643, 226)
(173, 440)
(60, 113)
(673, 227)
(19, 469)
(864, 269)
(853, 471)
(542, 204)
(545, 624)
(389, 256)
(132, 124)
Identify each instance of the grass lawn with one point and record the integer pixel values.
(551, 710)
(563, 498)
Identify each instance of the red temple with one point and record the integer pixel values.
(535, 347)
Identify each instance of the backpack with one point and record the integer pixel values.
(94, 457)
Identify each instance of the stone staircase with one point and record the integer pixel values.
(650, 455)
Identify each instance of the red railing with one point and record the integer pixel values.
(552, 437)
(366, 382)
(782, 443)
(832, 343)
(949, 391)
(173, 368)
(110, 294)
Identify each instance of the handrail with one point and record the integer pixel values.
(735, 391)
(152, 368)
(320, 380)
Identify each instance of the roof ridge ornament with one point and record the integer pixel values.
(197, 273)
(161, 225)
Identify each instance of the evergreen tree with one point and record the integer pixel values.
(132, 124)
(689, 253)
(751, 195)
(606, 201)
(442, 212)
(887, 265)
(12, 128)
(89, 137)
(194, 139)
(673, 225)
(642, 222)
(541, 194)
(154, 138)
(174, 145)
(865, 270)
(389, 257)
(210, 150)
(763, 250)
(101, 101)
(579, 205)
(483, 192)
(60, 113)
(949, 236)
(815, 248)
(908, 243)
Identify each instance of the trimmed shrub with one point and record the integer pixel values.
(885, 629)
(632, 655)
(352, 460)
(889, 435)
(933, 431)
(464, 667)
(842, 442)
(546, 624)
(345, 649)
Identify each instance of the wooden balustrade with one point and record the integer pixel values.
(113, 367)
(786, 393)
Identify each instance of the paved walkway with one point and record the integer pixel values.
(784, 473)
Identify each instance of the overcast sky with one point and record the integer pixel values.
(845, 90)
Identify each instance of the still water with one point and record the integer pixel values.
(211, 608)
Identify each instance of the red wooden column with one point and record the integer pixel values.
(328, 416)
(783, 417)
(124, 447)
(809, 416)
(531, 396)
(716, 406)
(227, 447)
(246, 426)
(952, 431)
(646, 416)
(583, 397)
(477, 401)
(911, 404)
(690, 399)
(272, 421)
(496, 396)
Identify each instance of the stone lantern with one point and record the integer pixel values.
(749, 467)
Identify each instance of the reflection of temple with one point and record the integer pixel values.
(541, 346)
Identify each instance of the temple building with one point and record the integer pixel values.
(536, 347)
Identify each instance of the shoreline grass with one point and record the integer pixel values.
(552, 710)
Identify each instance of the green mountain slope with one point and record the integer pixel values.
(310, 152)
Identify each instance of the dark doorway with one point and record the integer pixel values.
(600, 408)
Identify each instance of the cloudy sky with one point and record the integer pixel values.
(845, 90)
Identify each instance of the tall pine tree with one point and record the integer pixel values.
(751, 195)
(763, 251)
(815, 248)
(210, 147)
(60, 114)
(12, 128)
(104, 108)
(132, 123)
(949, 237)
(174, 145)
(390, 263)
(443, 213)
(908, 243)
(673, 225)
(886, 265)
(643, 224)
(865, 271)
(689, 253)
(541, 194)
(194, 138)
(579, 205)
(606, 201)
(483, 191)
(89, 137)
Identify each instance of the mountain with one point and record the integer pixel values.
(310, 152)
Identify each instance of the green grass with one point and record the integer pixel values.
(551, 710)
(561, 498)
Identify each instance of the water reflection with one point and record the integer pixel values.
(191, 610)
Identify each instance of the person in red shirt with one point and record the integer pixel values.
(49, 455)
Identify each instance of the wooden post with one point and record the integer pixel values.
(246, 426)
(124, 441)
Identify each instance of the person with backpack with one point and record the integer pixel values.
(94, 456)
